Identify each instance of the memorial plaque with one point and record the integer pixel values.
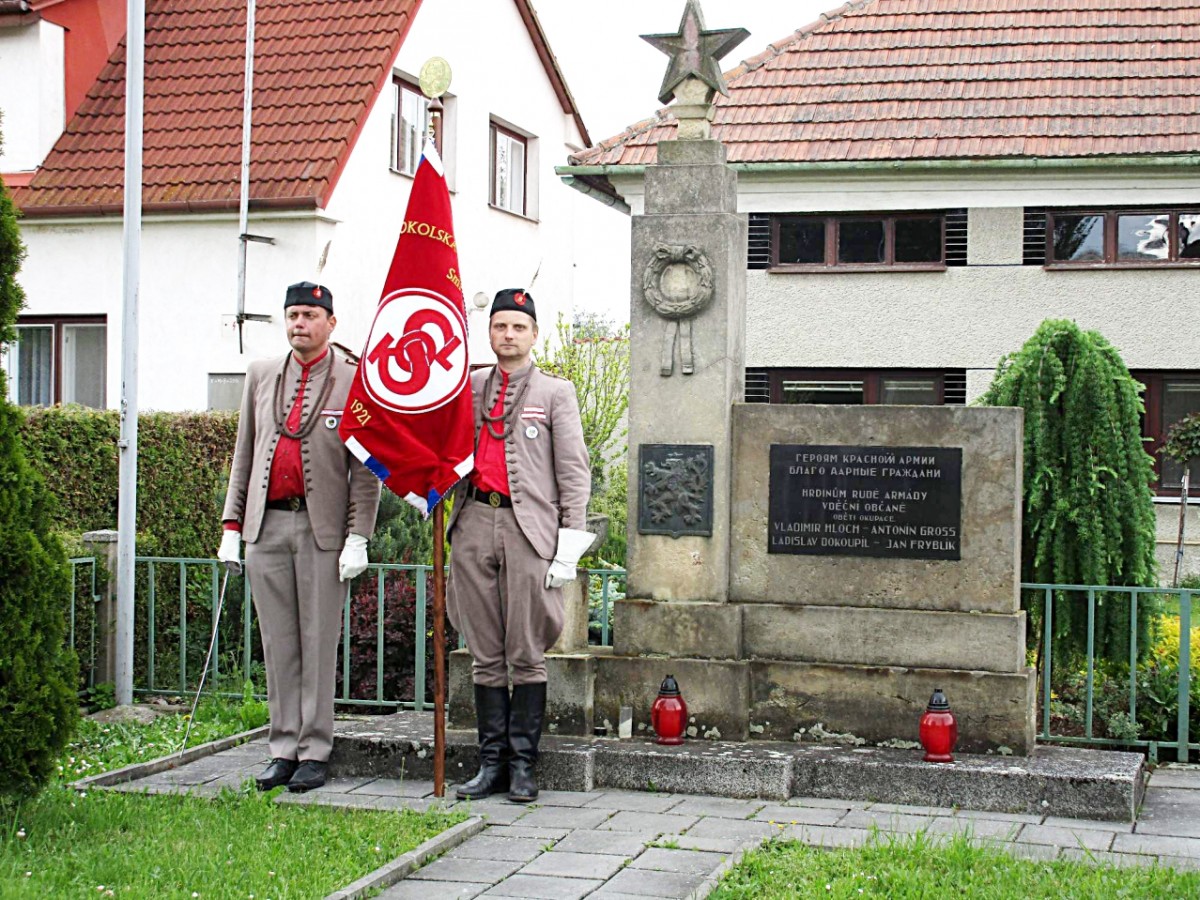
(896, 502)
(675, 489)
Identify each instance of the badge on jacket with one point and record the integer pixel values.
(535, 413)
(332, 417)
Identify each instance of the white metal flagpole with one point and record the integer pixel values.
(135, 45)
(244, 194)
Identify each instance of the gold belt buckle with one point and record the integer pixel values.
(293, 504)
(494, 499)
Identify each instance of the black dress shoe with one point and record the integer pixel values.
(310, 775)
(277, 773)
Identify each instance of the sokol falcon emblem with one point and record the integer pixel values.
(416, 356)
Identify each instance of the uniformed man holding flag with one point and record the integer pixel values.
(516, 533)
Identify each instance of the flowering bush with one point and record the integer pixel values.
(1157, 687)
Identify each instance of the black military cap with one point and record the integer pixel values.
(517, 299)
(305, 293)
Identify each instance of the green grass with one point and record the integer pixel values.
(100, 747)
(916, 868)
(68, 844)
(65, 844)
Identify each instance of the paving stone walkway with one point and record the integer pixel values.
(610, 845)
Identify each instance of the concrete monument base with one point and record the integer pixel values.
(779, 700)
(1091, 784)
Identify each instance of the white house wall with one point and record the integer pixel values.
(496, 73)
(32, 104)
(189, 262)
(965, 317)
(188, 293)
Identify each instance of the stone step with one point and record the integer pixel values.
(1078, 783)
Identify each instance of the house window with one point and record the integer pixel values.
(58, 360)
(508, 171)
(1169, 397)
(1125, 237)
(410, 126)
(859, 242)
(866, 386)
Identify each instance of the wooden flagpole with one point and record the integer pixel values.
(439, 651)
(435, 79)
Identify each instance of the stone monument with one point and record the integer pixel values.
(806, 573)
(780, 617)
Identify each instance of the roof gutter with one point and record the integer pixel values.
(590, 188)
(595, 181)
(916, 165)
(184, 206)
(8, 7)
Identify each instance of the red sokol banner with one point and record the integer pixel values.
(409, 417)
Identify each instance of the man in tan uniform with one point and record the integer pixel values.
(304, 506)
(517, 536)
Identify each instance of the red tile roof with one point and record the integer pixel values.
(942, 79)
(318, 67)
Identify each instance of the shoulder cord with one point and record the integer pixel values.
(508, 416)
(306, 425)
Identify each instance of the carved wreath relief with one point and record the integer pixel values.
(678, 284)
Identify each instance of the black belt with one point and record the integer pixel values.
(494, 499)
(291, 504)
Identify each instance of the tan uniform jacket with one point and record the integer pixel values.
(548, 474)
(342, 493)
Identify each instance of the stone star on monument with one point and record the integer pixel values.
(694, 51)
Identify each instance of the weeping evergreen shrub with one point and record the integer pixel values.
(1088, 503)
(37, 672)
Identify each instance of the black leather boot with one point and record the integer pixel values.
(491, 717)
(524, 733)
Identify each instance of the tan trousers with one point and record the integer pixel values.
(497, 599)
(299, 602)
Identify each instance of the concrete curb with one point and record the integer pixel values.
(134, 771)
(403, 866)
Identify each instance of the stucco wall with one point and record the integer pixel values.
(1168, 540)
(31, 93)
(189, 263)
(966, 317)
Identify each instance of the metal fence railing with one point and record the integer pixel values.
(386, 633)
(1091, 595)
(385, 652)
(601, 592)
(82, 616)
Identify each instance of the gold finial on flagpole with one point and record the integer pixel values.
(435, 80)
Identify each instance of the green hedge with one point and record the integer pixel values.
(183, 469)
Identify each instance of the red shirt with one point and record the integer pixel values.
(491, 467)
(287, 466)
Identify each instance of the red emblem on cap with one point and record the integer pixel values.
(317, 293)
(519, 299)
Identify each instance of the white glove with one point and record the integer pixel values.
(353, 561)
(230, 551)
(571, 546)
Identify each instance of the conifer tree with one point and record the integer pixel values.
(37, 671)
(1088, 505)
